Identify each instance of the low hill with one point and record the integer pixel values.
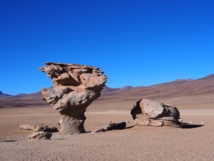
(175, 88)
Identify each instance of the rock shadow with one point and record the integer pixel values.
(113, 126)
(8, 141)
(190, 126)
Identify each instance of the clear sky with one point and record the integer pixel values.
(135, 42)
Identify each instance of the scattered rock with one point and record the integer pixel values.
(27, 127)
(45, 128)
(75, 87)
(40, 135)
(151, 113)
(111, 126)
(38, 128)
(180, 120)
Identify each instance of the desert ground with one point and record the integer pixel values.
(139, 143)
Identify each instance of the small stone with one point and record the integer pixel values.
(38, 128)
(190, 122)
(180, 120)
(26, 127)
(111, 126)
(40, 135)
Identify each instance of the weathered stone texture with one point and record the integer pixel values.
(74, 88)
(151, 113)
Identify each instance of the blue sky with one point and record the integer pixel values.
(135, 42)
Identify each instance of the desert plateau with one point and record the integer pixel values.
(107, 80)
(195, 141)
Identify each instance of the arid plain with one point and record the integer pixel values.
(193, 98)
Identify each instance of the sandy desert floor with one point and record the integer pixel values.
(194, 143)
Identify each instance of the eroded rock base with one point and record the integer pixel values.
(71, 125)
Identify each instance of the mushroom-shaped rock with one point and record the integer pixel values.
(74, 88)
(152, 113)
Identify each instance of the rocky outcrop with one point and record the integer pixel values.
(151, 113)
(74, 88)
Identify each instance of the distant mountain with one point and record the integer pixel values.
(108, 89)
(169, 89)
(3, 97)
(126, 88)
(21, 100)
(175, 88)
(189, 79)
(3, 94)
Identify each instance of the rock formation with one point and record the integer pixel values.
(151, 113)
(74, 88)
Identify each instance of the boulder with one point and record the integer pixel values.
(75, 87)
(152, 113)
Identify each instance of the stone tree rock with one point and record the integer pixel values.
(74, 88)
(151, 113)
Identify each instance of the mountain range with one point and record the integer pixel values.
(177, 88)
